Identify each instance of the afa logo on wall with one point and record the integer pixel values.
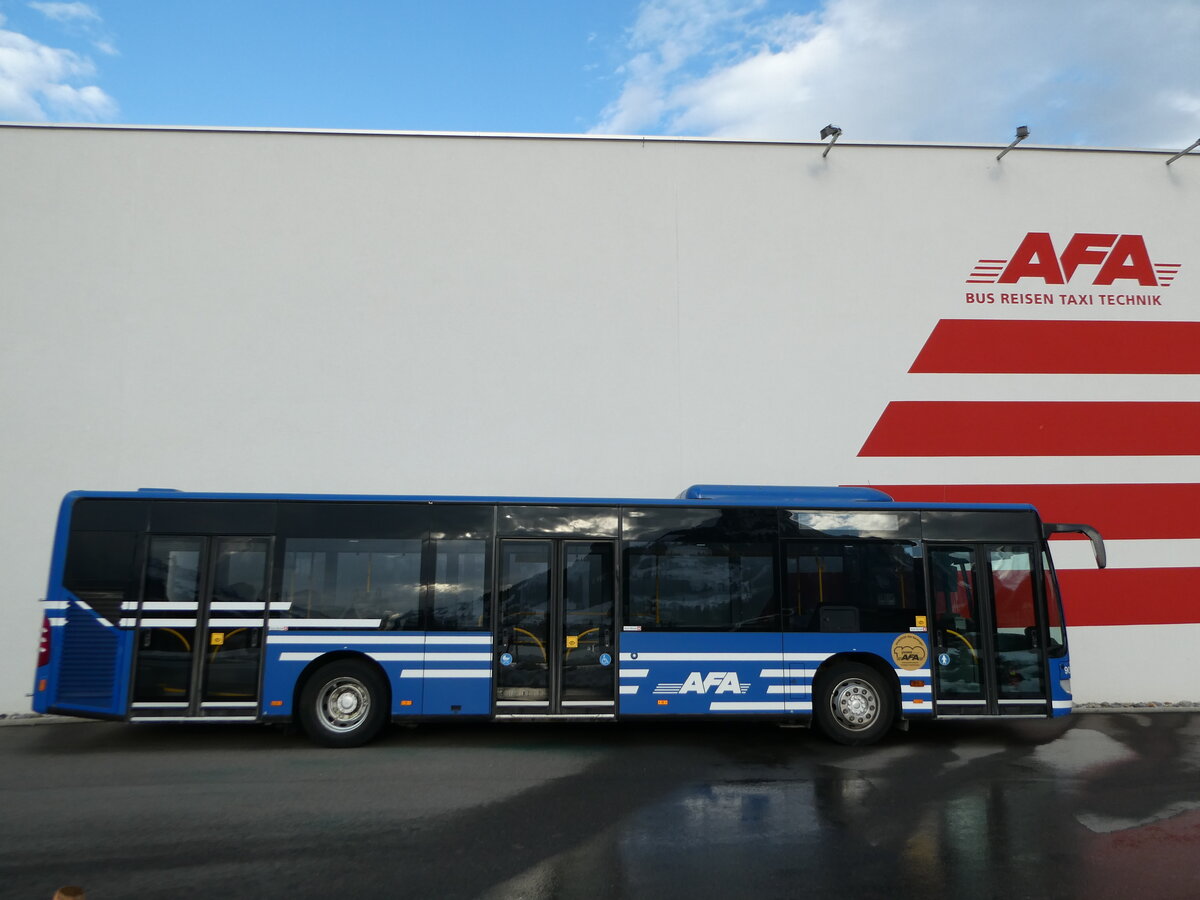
(1107, 258)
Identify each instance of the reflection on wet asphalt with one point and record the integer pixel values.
(1098, 806)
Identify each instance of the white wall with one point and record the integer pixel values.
(241, 311)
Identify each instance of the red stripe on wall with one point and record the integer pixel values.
(1119, 511)
(1130, 596)
(1036, 428)
(1011, 347)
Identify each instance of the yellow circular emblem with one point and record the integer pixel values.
(909, 651)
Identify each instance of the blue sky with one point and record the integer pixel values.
(1085, 72)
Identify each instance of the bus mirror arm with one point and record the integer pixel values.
(1049, 528)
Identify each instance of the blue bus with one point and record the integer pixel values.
(829, 606)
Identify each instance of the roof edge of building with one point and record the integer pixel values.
(550, 136)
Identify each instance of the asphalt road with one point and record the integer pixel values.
(1100, 806)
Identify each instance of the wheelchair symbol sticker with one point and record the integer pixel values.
(605, 659)
(506, 659)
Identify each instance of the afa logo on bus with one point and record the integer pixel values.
(702, 683)
(1106, 258)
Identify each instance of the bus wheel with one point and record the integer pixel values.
(854, 704)
(343, 704)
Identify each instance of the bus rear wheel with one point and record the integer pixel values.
(343, 704)
(854, 705)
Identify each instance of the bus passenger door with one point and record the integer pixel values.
(200, 627)
(232, 623)
(555, 628)
(988, 634)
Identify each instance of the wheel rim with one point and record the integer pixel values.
(344, 704)
(855, 704)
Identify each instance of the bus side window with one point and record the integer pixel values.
(832, 584)
(458, 592)
(100, 570)
(353, 579)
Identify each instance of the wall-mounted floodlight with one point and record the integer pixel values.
(1022, 133)
(830, 131)
(1184, 152)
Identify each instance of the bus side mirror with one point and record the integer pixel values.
(1049, 528)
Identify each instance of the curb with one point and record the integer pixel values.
(38, 719)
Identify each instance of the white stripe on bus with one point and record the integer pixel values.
(394, 657)
(430, 657)
(275, 637)
(99, 618)
(281, 623)
(193, 718)
(789, 689)
(162, 623)
(226, 704)
(445, 673)
(634, 673)
(759, 706)
(699, 657)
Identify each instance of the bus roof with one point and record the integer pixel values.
(700, 495)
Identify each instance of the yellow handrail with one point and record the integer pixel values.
(533, 637)
(965, 641)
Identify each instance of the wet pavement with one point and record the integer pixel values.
(1101, 805)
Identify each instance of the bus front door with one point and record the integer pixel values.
(989, 631)
(554, 653)
(200, 628)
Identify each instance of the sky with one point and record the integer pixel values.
(1101, 73)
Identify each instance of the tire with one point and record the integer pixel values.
(854, 704)
(343, 704)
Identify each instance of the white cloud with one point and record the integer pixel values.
(79, 19)
(1093, 72)
(38, 82)
(67, 12)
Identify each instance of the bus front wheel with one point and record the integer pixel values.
(854, 705)
(343, 704)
